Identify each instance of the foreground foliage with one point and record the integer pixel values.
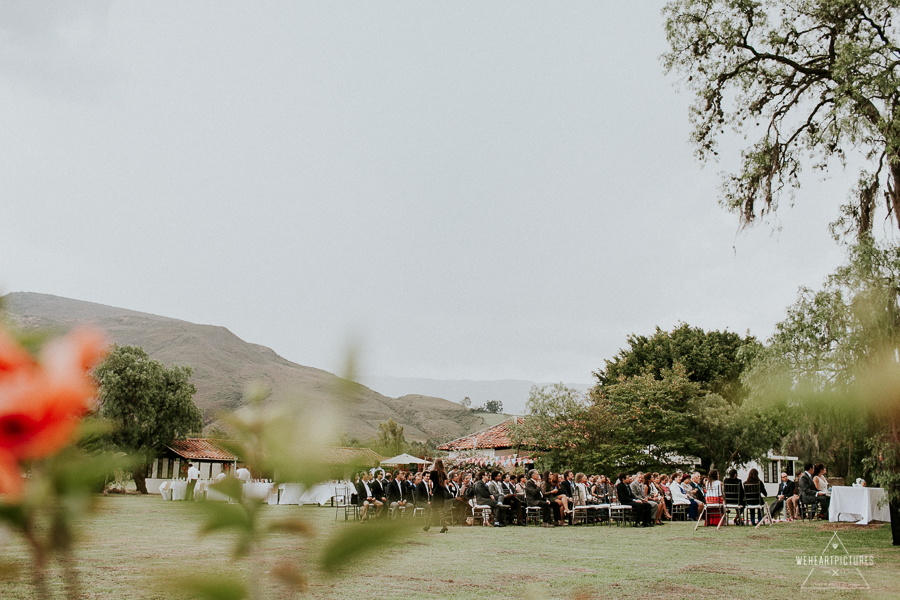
(127, 559)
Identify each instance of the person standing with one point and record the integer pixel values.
(193, 474)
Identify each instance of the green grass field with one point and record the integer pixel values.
(132, 544)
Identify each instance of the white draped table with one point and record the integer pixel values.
(321, 494)
(286, 493)
(859, 504)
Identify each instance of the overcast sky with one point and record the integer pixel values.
(463, 190)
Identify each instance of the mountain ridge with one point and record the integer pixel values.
(224, 365)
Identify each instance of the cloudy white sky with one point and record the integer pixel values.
(463, 190)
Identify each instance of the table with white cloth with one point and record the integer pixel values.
(321, 494)
(859, 504)
(261, 490)
(179, 490)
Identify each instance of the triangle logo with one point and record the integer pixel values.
(834, 569)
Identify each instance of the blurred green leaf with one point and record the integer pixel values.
(353, 542)
(231, 486)
(14, 514)
(221, 516)
(289, 574)
(295, 526)
(212, 587)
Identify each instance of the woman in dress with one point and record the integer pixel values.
(714, 495)
(440, 496)
(819, 479)
(550, 487)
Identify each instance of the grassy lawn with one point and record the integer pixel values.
(133, 543)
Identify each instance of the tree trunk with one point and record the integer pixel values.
(140, 479)
(893, 192)
(894, 509)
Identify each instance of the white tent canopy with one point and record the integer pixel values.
(404, 459)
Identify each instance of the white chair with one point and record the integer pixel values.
(714, 507)
(342, 502)
(483, 509)
(619, 512)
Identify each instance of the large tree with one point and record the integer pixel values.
(149, 404)
(713, 359)
(807, 78)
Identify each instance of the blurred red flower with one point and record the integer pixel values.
(41, 402)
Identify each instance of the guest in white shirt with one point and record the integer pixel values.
(193, 475)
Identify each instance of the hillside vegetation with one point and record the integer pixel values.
(224, 365)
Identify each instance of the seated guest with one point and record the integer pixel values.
(551, 493)
(819, 478)
(366, 498)
(660, 485)
(714, 496)
(424, 494)
(521, 481)
(692, 487)
(567, 486)
(397, 495)
(680, 497)
(583, 498)
(379, 486)
(755, 498)
(809, 495)
(785, 498)
(734, 494)
(410, 482)
(510, 499)
(640, 491)
(534, 496)
(484, 497)
(603, 489)
(640, 510)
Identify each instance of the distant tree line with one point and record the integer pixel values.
(491, 406)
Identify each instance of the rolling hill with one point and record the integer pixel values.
(224, 365)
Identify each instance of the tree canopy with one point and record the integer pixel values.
(816, 78)
(714, 359)
(149, 404)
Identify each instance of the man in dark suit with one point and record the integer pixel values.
(484, 497)
(397, 494)
(535, 497)
(785, 491)
(809, 495)
(377, 487)
(567, 486)
(410, 486)
(640, 510)
(423, 492)
(510, 498)
(365, 498)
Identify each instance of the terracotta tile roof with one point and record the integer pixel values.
(337, 455)
(205, 449)
(200, 449)
(497, 436)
